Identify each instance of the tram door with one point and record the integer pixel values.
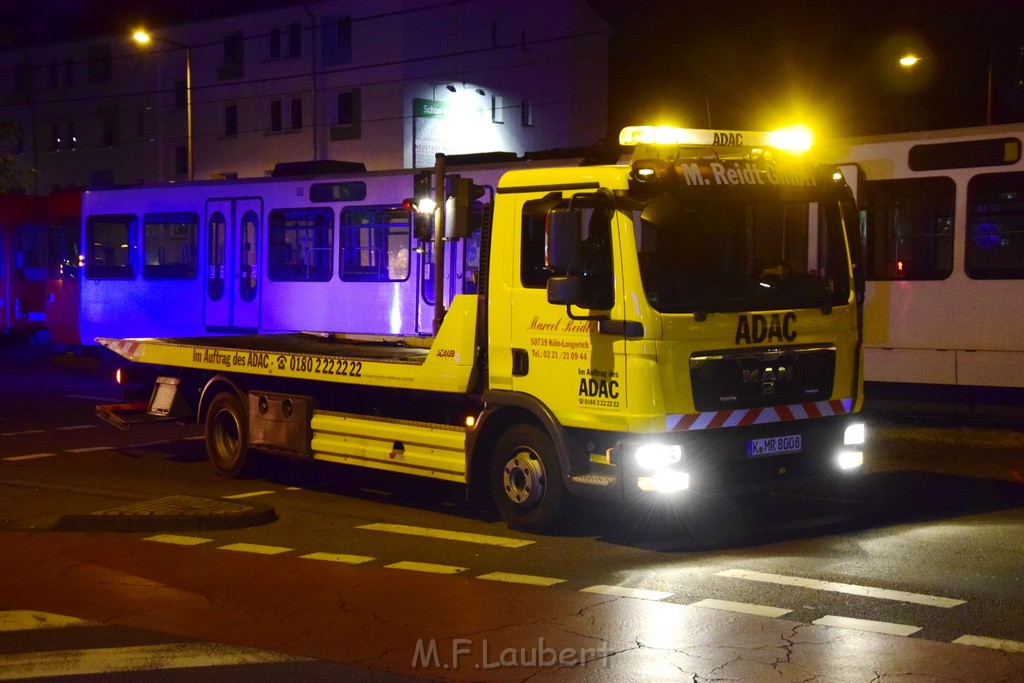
(233, 237)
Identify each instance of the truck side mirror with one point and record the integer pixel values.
(565, 291)
(565, 229)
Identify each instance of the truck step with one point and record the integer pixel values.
(594, 479)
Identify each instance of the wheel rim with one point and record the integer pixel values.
(226, 437)
(523, 479)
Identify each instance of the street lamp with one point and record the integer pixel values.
(143, 37)
(909, 60)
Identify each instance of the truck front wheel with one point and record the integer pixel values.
(227, 434)
(526, 479)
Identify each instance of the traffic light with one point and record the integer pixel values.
(461, 193)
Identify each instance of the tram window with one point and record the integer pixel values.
(351, 191)
(995, 227)
(301, 245)
(64, 251)
(169, 245)
(111, 241)
(375, 244)
(907, 228)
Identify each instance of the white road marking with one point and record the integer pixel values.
(74, 427)
(107, 660)
(336, 557)
(1014, 646)
(852, 589)
(24, 433)
(623, 592)
(251, 494)
(867, 625)
(178, 540)
(30, 620)
(426, 567)
(34, 456)
(255, 548)
(528, 579)
(447, 535)
(90, 449)
(742, 607)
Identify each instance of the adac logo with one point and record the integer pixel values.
(757, 328)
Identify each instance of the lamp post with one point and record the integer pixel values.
(143, 37)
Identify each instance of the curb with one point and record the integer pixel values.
(172, 513)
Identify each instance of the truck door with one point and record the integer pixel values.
(574, 366)
(234, 233)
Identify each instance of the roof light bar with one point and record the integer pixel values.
(794, 139)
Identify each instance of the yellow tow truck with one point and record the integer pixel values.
(686, 320)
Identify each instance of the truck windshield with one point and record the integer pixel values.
(749, 251)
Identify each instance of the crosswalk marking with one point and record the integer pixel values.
(528, 579)
(178, 540)
(465, 537)
(250, 494)
(426, 567)
(852, 589)
(742, 607)
(255, 548)
(1013, 646)
(28, 620)
(338, 557)
(867, 625)
(624, 592)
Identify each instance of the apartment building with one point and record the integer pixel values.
(387, 83)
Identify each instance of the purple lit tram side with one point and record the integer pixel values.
(263, 255)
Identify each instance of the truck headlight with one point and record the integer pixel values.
(849, 460)
(854, 435)
(665, 481)
(657, 456)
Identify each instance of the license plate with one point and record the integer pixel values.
(773, 446)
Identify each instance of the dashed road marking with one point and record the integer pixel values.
(90, 449)
(34, 456)
(178, 540)
(255, 548)
(250, 494)
(339, 557)
(447, 535)
(742, 607)
(867, 625)
(1013, 646)
(426, 567)
(624, 592)
(849, 588)
(74, 427)
(25, 432)
(528, 579)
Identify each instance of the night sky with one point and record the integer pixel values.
(731, 63)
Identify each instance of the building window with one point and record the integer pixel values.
(296, 113)
(497, 109)
(181, 160)
(234, 57)
(294, 40)
(275, 116)
(348, 117)
(54, 137)
(337, 41)
(71, 142)
(170, 243)
(231, 120)
(99, 64)
(54, 74)
(108, 128)
(527, 114)
(69, 71)
(274, 44)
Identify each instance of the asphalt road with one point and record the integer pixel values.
(925, 546)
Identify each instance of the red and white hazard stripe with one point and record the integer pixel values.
(123, 347)
(757, 416)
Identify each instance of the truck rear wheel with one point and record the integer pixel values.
(227, 434)
(526, 479)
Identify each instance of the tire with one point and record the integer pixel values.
(526, 480)
(227, 435)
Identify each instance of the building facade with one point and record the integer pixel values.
(388, 83)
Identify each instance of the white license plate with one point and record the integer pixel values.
(774, 445)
